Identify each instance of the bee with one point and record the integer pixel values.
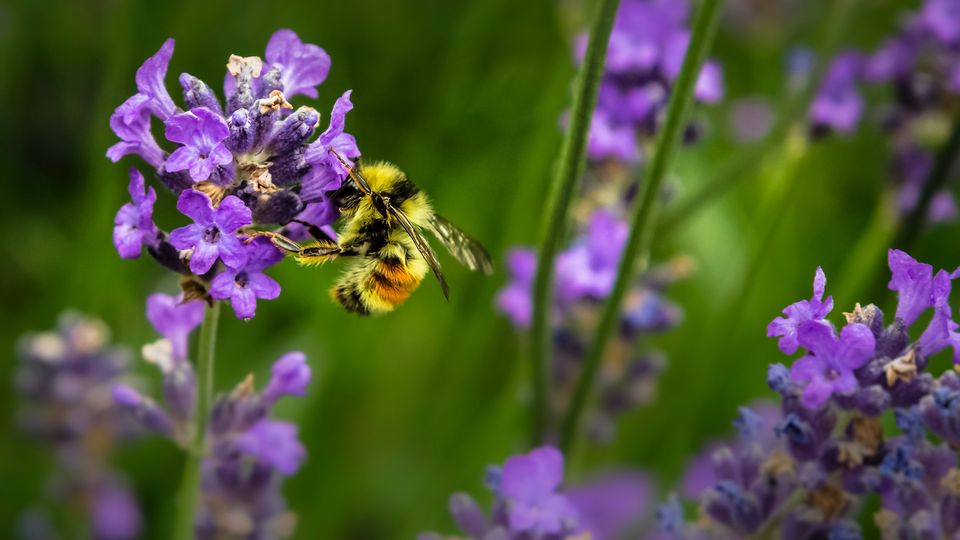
(384, 214)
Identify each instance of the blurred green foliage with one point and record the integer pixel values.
(466, 97)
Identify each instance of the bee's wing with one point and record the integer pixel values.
(463, 248)
(422, 246)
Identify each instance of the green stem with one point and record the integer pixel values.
(641, 229)
(187, 501)
(565, 183)
(794, 108)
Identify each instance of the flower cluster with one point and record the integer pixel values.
(248, 161)
(248, 453)
(919, 67)
(803, 469)
(644, 56)
(65, 377)
(530, 503)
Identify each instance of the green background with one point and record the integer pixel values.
(466, 96)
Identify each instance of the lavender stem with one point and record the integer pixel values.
(190, 488)
(641, 230)
(565, 183)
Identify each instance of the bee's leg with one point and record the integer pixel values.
(316, 232)
(279, 240)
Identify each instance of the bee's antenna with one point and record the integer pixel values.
(361, 183)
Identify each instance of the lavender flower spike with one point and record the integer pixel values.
(212, 233)
(174, 319)
(133, 226)
(814, 309)
(302, 66)
(829, 369)
(275, 443)
(202, 133)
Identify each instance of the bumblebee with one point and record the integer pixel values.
(384, 214)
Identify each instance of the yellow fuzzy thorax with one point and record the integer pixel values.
(381, 175)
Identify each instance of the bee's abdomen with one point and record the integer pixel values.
(378, 285)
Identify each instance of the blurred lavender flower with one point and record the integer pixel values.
(65, 377)
(919, 69)
(248, 453)
(644, 55)
(529, 503)
(248, 161)
(804, 475)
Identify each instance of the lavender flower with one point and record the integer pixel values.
(814, 309)
(248, 160)
(248, 453)
(244, 284)
(133, 225)
(838, 105)
(830, 449)
(174, 319)
(65, 378)
(211, 236)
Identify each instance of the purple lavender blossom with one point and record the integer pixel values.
(814, 309)
(303, 66)
(174, 319)
(829, 369)
(326, 171)
(529, 485)
(515, 299)
(65, 377)
(289, 377)
(913, 282)
(838, 105)
(611, 504)
(274, 443)
(245, 284)
(131, 122)
(133, 225)
(211, 236)
(942, 17)
(202, 133)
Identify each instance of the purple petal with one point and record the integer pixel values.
(290, 376)
(203, 256)
(182, 159)
(127, 239)
(263, 286)
(261, 254)
(856, 346)
(231, 250)
(182, 128)
(816, 393)
(274, 443)
(244, 303)
(816, 337)
(807, 369)
(232, 214)
(303, 66)
(174, 320)
(338, 118)
(186, 237)
(223, 285)
(150, 78)
(913, 281)
(197, 206)
(114, 514)
(131, 122)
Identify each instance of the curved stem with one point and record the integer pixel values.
(565, 183)
(641, 229)
(187, 501)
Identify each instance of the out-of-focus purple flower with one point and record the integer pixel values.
(133, 225)
(829, 369)
(275, 443)
(115, 514)
(529, 484)
(211, 236)
(942, 17)
(589, 267)
(607, 506)
(302, 66)
(326, 170)
(894, 59)
(174, 319)
(815, 309)
(838, 104)
(202, 132)
(514, 300)
(608, 139)
(289, 377)
(243, 284)
(131, 122)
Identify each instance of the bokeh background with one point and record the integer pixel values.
(466, 96)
